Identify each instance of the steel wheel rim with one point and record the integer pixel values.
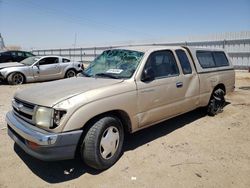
(109, 142)
(17, 79)
(71, 74)
(219, 101)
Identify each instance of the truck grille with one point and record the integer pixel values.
(24, 110)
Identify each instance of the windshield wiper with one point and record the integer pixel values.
(106, 75)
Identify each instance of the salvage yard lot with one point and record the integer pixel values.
(192, 150)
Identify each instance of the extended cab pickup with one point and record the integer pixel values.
(122, 91)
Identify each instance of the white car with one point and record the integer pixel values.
(37, 68)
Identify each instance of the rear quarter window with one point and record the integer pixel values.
(64, 60)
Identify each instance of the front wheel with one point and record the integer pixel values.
(15, 78)
(102, 145)
(216, 103)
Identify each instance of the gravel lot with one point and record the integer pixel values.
(192, 150)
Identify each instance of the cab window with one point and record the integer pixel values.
(48, 60)
(183, 59)
(163, 64)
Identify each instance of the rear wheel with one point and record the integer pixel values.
(70, 73)
(16, 78)
(216, 103)
(102, 145)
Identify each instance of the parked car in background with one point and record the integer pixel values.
(37, 68)
(121, 91)
(14, 56)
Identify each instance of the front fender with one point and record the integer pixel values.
(7, 71)
(123, 102)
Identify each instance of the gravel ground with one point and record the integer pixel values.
(192, 150)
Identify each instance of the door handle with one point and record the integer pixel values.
(179, 84)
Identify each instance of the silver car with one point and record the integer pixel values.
(37, 68)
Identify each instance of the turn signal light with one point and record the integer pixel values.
(32, 145)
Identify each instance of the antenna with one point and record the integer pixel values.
(75, 47)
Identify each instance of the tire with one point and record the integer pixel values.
(102, 145)
(216, 103)
(16, 78)
(70, 73)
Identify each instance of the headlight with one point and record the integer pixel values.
(44, 117)
(48, 117)
(58, 115)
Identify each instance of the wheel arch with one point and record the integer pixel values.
(120, 114)
(211, 91)
(220, 86)
(213, 109)
(25, 79)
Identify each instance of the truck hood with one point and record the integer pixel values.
(50, 93)
(11, 64)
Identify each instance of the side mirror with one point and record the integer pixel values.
(37, 65)
(148, 75)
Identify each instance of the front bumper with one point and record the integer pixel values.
(2, 78)
(45, 145)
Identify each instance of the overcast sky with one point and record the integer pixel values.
(57, 23)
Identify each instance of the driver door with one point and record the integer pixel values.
(47, 69)
(171, 91)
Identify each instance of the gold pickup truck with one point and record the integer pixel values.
(121, 91)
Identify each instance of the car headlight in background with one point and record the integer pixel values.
(44, 117)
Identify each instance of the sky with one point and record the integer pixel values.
(39, 24)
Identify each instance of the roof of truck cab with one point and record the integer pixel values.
(148, 48)
(156, 47)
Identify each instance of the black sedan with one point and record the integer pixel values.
(14, 56)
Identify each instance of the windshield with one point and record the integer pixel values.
(29, 60)
(115, 64)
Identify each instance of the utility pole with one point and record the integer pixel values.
(75, 47)
(2, 46)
